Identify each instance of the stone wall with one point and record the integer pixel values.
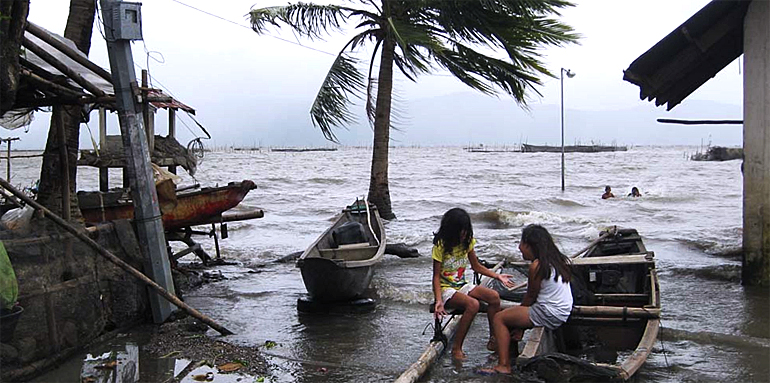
(70, 295)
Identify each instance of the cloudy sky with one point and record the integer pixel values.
(250, 89)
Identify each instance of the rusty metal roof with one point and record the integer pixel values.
(171, 104)
(691, 54)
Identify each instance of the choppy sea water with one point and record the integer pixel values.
(690, 215)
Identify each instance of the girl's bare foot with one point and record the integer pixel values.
(458, 355)
(492, 344)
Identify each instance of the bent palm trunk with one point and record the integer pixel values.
(379, 192)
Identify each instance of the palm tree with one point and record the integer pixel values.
(13, 18)
(79, 27)
(420, 36)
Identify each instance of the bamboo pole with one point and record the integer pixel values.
(114, 259)
(604, 311)
(415, 371)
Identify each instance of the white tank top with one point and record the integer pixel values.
(556, 296)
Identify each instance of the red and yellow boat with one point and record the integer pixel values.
(192, 208)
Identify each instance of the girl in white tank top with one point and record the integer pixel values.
(548, 300)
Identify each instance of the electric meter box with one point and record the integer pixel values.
(127, 21)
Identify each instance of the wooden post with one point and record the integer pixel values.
(149, 125)
(756, 145)
(104, 172)
(65, 172)
(8, 162)
(172, 131)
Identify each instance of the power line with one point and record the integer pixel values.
(249, 28)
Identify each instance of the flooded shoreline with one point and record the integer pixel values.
(714, 329)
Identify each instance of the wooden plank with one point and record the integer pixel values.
(71, 53)
(61, 67)
(637, 358)
(532, 346)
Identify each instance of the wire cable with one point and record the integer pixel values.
(249, 28)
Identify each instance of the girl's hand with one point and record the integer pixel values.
(439, 311)
(505, 279)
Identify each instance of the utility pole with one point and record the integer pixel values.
(123, 23)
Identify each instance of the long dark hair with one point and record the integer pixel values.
(453, 223)
(544, 250)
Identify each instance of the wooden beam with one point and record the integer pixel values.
(61, 67)
(71, 53)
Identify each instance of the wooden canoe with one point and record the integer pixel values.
(615, 317)
(190, 209)
(341, 272)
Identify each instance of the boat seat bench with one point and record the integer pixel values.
(352, 252)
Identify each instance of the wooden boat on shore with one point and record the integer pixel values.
(615, 317)
(339, 265)
(527, 148)
(191, 208)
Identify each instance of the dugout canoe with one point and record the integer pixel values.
(339, 265)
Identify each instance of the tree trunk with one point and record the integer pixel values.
(379, 192)
(79, 28)
(13, 20)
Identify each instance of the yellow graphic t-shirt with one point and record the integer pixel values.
(453, 264)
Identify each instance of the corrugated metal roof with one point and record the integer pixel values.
(172, 104)
(691, 54)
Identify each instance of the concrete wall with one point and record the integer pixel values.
(756, 144)
(70, 294)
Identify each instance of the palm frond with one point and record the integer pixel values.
(330, 107)
(309, 20)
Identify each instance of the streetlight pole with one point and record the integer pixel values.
(570, 74)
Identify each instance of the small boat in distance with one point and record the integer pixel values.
(338, 266)
(527, 148)
(302, 150)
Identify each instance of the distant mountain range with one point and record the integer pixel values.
(465, 118)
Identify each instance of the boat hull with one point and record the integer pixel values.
(326, 281)
(340, 272)
(190, 209)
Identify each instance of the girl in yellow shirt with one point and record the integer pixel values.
(452, 253)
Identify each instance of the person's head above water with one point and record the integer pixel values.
(607, 189)
(635, 192)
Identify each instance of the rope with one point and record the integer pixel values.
(369, 221)
(663, 347)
